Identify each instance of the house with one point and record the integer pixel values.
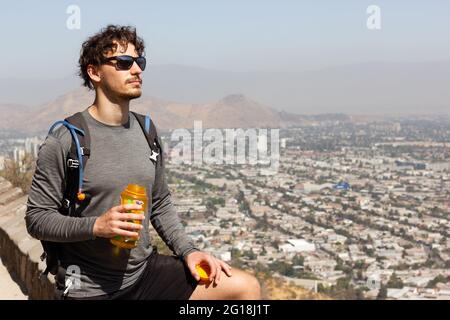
(397, 293)
(373, 281)
(297, 245)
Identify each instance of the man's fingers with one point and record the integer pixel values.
(129, 226)
(129, 206)
(219, 272)
(213, 268)
(124, 233)
(225, 267)
(131, 216)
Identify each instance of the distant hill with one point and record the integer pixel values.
(12, 113)
(232, 111)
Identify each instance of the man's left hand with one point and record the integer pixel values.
(215, 265)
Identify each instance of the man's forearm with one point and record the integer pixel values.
(49, 225)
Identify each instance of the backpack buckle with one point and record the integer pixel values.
(85, 151)
(72, 163)
(66, 203)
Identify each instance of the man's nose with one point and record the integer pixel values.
(135, 69)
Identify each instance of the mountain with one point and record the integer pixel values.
(232, 111)
(365, 88)
(12, 113)
(238, 111)
(61, 107)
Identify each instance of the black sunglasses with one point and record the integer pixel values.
(126, 62)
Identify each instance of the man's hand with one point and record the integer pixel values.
(114, 222)
(215, 265)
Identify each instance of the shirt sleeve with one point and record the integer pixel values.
(164, 217)
(43, 220)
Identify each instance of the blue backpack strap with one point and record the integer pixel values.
(79, 155)
(147, 124)
(75, 139)
(73, 131)
(76, 160)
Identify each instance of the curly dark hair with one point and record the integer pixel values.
(95, 48)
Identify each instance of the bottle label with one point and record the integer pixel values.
(132, 201)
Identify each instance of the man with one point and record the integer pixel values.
(111, 63)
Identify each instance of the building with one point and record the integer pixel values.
(297, 245)
(373, 281)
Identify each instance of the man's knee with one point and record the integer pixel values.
(240, 286)
(254, 291)
(248, 286)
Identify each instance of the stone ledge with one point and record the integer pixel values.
(10, 195)
(19, 251)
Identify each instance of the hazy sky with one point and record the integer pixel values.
(227, 35)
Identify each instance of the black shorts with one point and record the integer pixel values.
(164, 278)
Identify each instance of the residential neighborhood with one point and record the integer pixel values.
(353, 210)
(360, 215)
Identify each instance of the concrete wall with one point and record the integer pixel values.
(18, 250)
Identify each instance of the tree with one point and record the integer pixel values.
(20, 174)
(283, 268)
(224, 224)
(360, 264)
(395, 282)
(343, 283)
(298, 260)
(382, 293)
(235, 253)
(276, 244)
(263, 251)
(359, 275)
(436, 280)
(447, 264)
(250, 254)
(260, 268)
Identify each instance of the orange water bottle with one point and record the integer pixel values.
(133, 194)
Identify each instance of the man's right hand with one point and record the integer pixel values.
(114, 222)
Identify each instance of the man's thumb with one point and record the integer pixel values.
(194, 273)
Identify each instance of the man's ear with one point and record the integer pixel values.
(94, 73)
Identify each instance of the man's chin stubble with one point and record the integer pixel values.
(131, 96)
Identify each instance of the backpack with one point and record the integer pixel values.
(76, 162)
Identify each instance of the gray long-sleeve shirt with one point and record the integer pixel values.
(119, 156)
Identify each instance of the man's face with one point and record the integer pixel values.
(124, 84)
